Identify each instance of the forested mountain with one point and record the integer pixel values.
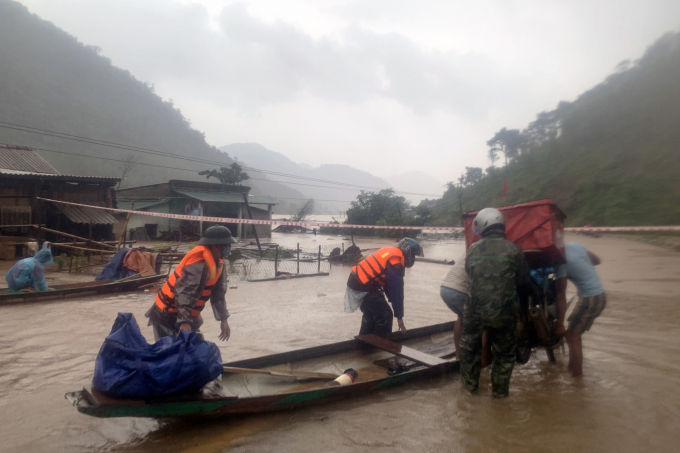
(50, 81)
(258, 156)
(611, 157)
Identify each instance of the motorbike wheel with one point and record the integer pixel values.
(523, 354)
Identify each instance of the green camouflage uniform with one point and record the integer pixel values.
(497, 267)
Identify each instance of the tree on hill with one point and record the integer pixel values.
(231, 175)
(471, 176)
(509, 142)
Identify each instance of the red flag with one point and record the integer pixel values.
(505, 188)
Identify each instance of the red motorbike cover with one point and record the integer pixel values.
(537, 227)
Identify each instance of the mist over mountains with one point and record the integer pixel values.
(331, 198)
(51, 81)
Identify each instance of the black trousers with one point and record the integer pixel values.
(378, 315)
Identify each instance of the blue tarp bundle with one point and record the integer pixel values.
(114, 269)
(128, 367)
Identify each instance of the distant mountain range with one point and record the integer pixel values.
(332, 198)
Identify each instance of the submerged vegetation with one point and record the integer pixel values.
(382, 208)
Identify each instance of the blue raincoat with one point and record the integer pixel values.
(30, 272)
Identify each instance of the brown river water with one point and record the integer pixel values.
(627, 401)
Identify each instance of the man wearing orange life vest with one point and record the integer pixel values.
(380, 274)
(198, 278)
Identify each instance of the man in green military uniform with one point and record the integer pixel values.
(497, 269)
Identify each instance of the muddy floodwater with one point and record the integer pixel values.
(627, 401)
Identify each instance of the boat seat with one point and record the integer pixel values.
(400, 350)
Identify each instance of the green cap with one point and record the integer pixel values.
(217, 235)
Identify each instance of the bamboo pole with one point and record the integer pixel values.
(73, 236)
(73, 247)
(127, 219)
(250, 214)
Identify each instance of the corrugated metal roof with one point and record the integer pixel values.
(222, 197)
(219, 197)
(139, 204)
(23, 159)
(261, 200)
(67, 178)
(80, 214)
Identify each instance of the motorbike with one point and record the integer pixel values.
(538, 318)
(537, 227)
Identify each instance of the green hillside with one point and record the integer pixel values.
(51, 81)
(611, 157)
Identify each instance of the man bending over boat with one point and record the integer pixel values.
(381, 274)
(199, 277)
(30, 272)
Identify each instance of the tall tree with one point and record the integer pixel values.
(231, 175)
(127, 166)
(510, 142)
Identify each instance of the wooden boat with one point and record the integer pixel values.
(132, 283)
(241, 393)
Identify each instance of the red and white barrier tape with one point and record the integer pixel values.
(257, 222)
(358, 227)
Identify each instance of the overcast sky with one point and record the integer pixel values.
(387, 86)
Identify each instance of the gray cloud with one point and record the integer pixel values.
(248, 63)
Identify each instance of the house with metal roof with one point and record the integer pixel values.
(25, 177)
(195, 198)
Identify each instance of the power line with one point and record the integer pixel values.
(192, 198)
(46, 132)
(186, 169)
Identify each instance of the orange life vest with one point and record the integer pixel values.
(165, 299)
(372, 268)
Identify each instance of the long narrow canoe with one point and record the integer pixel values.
(8, 296)
(239, 393)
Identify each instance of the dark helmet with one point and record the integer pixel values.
(217, 235)
(411, 249)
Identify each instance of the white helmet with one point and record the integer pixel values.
(486, 218)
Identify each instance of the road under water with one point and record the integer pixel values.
(627, 400)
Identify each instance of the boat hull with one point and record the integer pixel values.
(8, 297)
(291, 398)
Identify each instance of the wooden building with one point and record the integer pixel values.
(195, 198)
(25, 176)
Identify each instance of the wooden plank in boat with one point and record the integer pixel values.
(299, 374)
(443, 350)
(400, 350)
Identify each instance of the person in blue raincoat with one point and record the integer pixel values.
(30, 272)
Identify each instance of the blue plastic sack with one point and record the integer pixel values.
(114, 269)
(128, 367)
